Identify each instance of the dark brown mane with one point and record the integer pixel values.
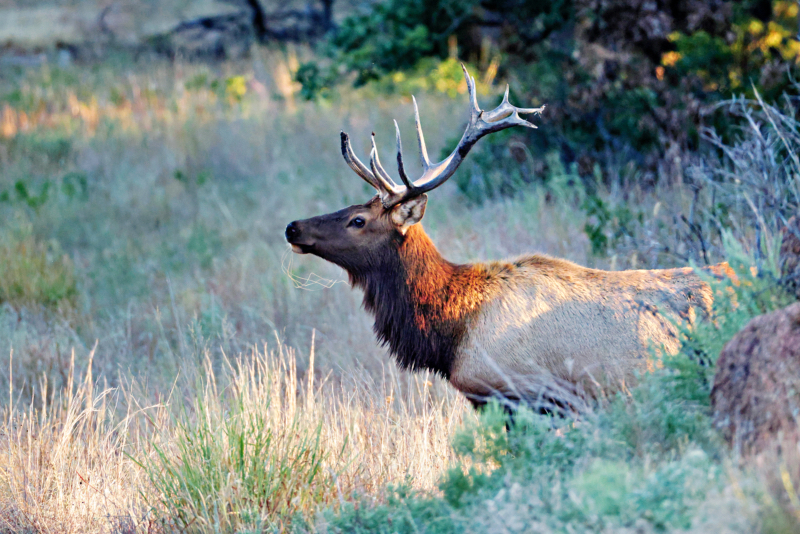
(421, 301)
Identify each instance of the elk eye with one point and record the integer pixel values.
(358, 222)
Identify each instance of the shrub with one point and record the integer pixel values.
(616, 87)
(396, 35)
(245, 456)
(751, 288)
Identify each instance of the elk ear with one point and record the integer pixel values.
(409, 213)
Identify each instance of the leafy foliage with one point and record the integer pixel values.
(397, 34)
(751, 288)
(623, 79)
(606, 225)
(761, 42)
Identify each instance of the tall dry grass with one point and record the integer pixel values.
(63, 465)
(168, 186)
(271, 446)
(249, 446)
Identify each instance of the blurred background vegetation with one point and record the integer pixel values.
(626, 82)
(159, 345)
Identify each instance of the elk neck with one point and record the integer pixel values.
(421, 302)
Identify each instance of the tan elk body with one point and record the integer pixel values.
(547, 318)
(509, 328)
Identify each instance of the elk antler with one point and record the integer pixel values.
(434, 174)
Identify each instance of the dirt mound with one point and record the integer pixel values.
(756, 393)
(790, 256)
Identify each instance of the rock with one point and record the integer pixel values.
(46, 24)
(218, 37)
(790, 256)
(756, 393)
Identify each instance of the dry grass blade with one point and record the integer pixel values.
(247, 446)
(62, 462)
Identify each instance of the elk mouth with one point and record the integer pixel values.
(297, 248)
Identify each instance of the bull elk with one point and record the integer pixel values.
(500, 328)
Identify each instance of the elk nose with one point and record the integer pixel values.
(292, 231)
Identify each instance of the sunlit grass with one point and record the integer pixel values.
(249, 446)
(143, 209)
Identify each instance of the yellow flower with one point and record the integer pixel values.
(792, 50)
(773, 40)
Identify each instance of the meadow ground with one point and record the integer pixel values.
(168, 364)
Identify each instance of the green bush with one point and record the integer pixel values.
(561, 477)
(395, 35)
(752, 290)
(746, 55)
(608, 225)
(244, 457)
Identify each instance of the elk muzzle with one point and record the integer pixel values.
(294, 236)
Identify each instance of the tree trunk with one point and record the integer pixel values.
(259, 20)
(327, 14)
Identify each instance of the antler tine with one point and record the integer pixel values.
(355, 164)
(474, 108)
(423, 150)
(401, 169)
(387, 184)
(507, 112)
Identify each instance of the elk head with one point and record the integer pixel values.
(358, 238)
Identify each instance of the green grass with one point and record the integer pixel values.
(241, 458)
(147, 206)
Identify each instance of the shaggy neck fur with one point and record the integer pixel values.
(421, 302)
